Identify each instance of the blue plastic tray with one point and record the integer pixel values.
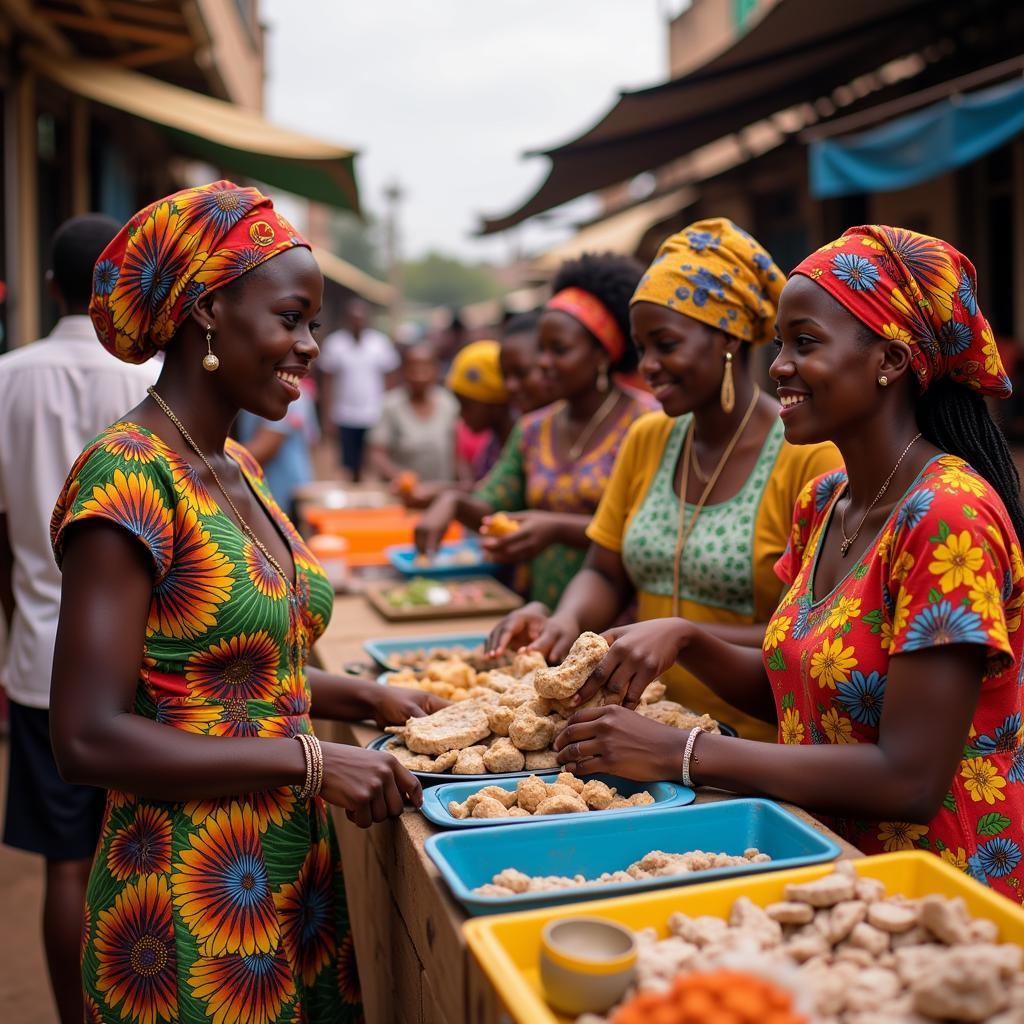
(435, 778)
(602, 843)
(382, 650)
(403, 558)
(435, 801)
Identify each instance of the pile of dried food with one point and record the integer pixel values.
(534, 797)
(507, 719)
(853, 954)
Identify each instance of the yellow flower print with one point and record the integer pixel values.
(956, 561)
(888, 640)
(982, 780)
(870, 243)
(902, 566)
(986, 596)
(998, 634)
(837, 244)
(792, 727)
(1016, 563)
(845, 608)
(776, 630)
(832, 663)
(838, 728)
(900, 835)
(1013, 612)
(993, 364)
(958, 480)
(884, 548)
(957, 860)
(902, 611)
(896, 333)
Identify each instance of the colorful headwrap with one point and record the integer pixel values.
(476, 373)
(714, 272)
(590, 311)
(915, 289)
(199, 239)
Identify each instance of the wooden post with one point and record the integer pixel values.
(22, 199)
(80, 179)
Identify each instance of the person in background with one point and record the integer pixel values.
(893, 660)
(476, 380)
(357, 365)
(55, 395)
(416, 430)
(282, 447)
(719, 438)
(557, 461)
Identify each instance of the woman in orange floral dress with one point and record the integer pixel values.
(189, 608)
(893, 662)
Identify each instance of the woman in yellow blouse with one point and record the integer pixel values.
(708, 297)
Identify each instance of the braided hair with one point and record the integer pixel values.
(956, 420)
(612, 278)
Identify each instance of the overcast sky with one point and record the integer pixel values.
(444, 95)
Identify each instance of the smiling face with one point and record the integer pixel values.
(681, 360)
(263, 332)
(568, 357)
(827, 368)
(525, 385)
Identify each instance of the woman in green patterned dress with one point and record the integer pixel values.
(189, 608)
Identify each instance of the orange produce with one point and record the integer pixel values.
(499, 525)
(715, 997)
(406, 481)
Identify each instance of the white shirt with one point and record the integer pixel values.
(55, 396)
(359, 368)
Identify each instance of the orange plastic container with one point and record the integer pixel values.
(370, 532)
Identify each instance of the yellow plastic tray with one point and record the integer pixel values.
(507, 947)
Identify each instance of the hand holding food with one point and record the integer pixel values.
(518, 628)
(395, 705)
(536, 532)
(499, 525)
(372, 786)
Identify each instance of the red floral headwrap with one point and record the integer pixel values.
(593, 314)
(915, 289)
(176, 249)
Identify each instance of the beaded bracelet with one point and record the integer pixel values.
(688, 755)
(314, 758)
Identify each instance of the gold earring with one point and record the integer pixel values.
(602, 380)
(728, 396)
(883, 381)
(210, 361)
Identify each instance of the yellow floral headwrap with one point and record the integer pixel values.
(716, 273)
(476, 373)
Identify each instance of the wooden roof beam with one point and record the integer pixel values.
(112, 29)
(24, 16)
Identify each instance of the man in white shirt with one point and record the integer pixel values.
(55, 396)
(358, 363)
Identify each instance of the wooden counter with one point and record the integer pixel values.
(413, 962)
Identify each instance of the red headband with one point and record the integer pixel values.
(593, 314)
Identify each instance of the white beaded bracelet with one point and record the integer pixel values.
(688, 754)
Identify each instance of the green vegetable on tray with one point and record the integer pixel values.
(420, 592)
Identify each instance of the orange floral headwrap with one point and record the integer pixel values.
(176, 249)
(919, 290)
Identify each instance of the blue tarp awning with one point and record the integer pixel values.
(919, 146)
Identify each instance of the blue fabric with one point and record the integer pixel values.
(292, 466)
(919, 146)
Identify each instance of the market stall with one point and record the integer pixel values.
(414, 961)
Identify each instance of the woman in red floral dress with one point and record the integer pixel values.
(893, 663)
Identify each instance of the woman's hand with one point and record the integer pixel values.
(518, 628)
(433, 525)
(371, 785)
(636, 656)
(537, 531)
(615, 741)
(395, 705)
(421, 495)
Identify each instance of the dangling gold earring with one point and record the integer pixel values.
(602, 380)
(210, 361)
(728, 396)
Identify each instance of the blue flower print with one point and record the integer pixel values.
(826, 488)
(1003, 738)
(857, 272)
(943, 624)
(104, 277)
(192, 292)
(954, 337)
(863, 696)
(998, 857)
(965, 293)
(699, 241)
(1016, 772)
(802, 626)
(974, 869)
(1007, 585)
(683, 294)
(706, 285)
(915, 508)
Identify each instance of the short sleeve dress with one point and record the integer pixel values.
(228, 909)
(945, 569)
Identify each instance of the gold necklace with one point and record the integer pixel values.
(847, 541)
(576, 449)
(246, 528)
(685, 529)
